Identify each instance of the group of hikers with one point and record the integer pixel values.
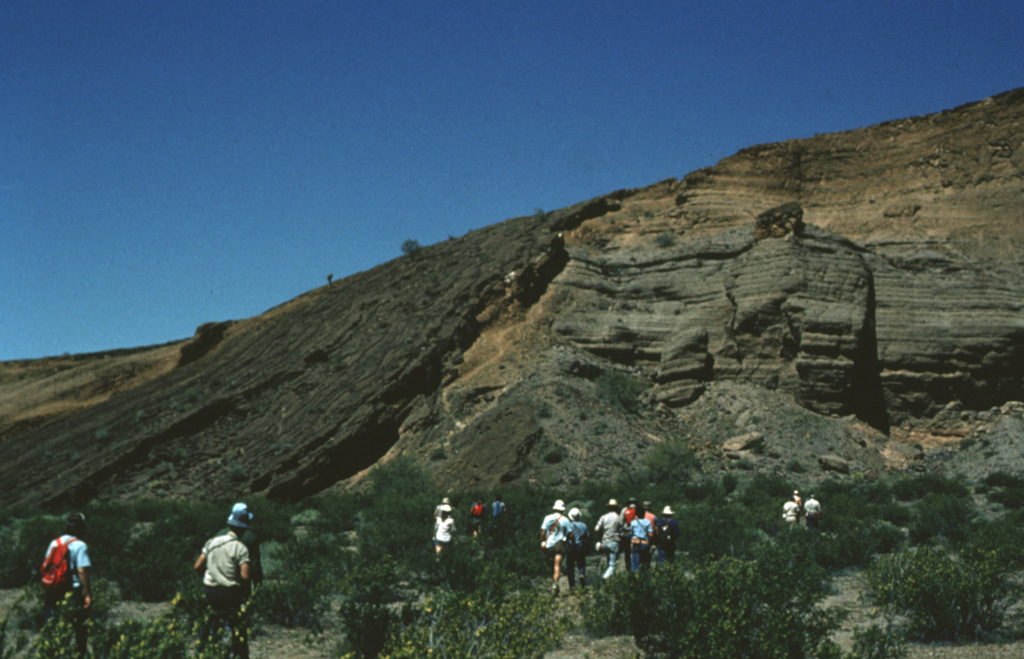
(229, 564)
(230, 561)
(796, 509)
(632, 531)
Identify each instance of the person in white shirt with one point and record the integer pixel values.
(812, 509)
(553, 533)
(444, 528)
(609, 530)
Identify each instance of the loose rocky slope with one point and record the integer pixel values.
(819, 298)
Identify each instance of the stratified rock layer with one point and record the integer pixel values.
(813, 293)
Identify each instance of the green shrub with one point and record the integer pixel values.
(909, 489)
(944, 597)
(556, 455)
(523, 625)
(669, 462)
(298, 595)
(23, 544)
(665, 239)
(366, 613)
(620, 391)
(945, 516)
(725, 608)
(876, 642)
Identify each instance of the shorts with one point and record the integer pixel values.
(558, 549)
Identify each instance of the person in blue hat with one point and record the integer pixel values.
(226, 565)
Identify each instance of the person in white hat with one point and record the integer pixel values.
(444, 527)
(609, 530)
(554, 531)
(667, 536)
(578, 545)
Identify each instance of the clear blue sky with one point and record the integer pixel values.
(165, 163)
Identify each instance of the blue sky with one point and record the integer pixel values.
(168, 163)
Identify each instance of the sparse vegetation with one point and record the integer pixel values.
(665, 239)
(410, 247)
(383, 591)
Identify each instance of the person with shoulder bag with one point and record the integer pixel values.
(227, 572)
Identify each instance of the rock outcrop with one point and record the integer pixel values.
(813, 294)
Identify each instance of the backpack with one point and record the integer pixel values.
(56, 569)
(478, 510)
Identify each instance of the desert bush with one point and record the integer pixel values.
(366, 612)
(620, 391)
(728, 607)
(23, 543)
(669, 463)
(943, 596)
(523, 625)
(410, 247)
(297, 596)
(877, 642)
(941, 516)
(1002, 536)
(396, 516)
(917, 487)
(665, 239)
(711, 530)
(163, 638)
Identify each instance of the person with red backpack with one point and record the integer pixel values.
(476, 516)
(65, 571)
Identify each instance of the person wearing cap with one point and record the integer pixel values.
(812, 509)
(227, 573)
(444, 528)
(554, 531)
(78, 566)
(667, 536)
(444, 502)
(578, 544)
(641, 532)
(609, 530)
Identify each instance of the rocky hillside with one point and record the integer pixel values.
(842, 303)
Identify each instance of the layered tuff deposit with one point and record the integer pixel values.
(810, 304)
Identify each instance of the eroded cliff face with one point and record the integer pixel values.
(797, 302)
(875, 272)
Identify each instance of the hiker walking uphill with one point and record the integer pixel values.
(476, 516)
(812, 509)
(799, 505)
(227, 570)
(667, 537)
(609, 530)
(498, 508)
(444, 528)
(641, 533)
(579, 543)
(790, 512)
(65, 570)
(627, 515)
(554, 531)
